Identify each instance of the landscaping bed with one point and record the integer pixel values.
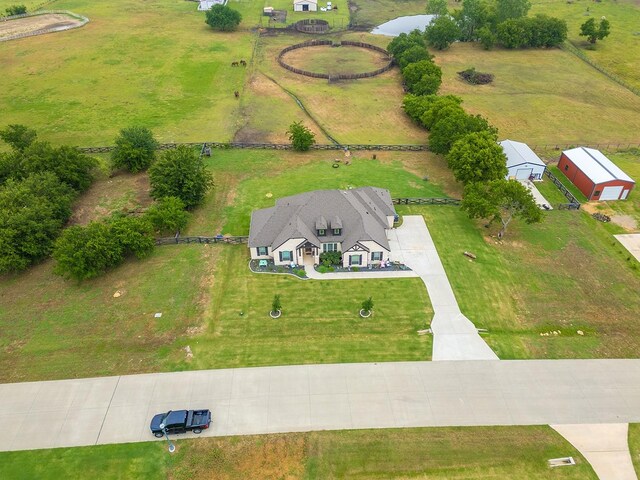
(271, 267)
(390, 267)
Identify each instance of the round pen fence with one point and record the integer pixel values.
(339, 76)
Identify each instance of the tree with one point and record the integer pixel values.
(32, 213)
(134, 149)
(133, 234)
(477, 157)
(440, 107)
(16, 10)
(514, 33)
(413, 55)
(500, 200)
(416, 105)
(180, 173)
(546, 31)
(506, 9)
(423, 77)
(223, 18)
(168, 215)
(452, 127)
(437, 7)
(67, 163)
(442, 32)
(84, 252)
(276, 304)
(301, 137)
(473, 16)
(367, 305)
(405, 41)
(594, 31)
(486, 37)
(18, 136)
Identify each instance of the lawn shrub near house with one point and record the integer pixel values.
(328, 259)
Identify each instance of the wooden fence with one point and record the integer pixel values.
(573, 204)
(217, 239)
(599, 146)
(273, 146)
(425, 201)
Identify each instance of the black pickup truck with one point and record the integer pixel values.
(180, 421)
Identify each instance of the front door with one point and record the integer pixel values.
(308, 251)
(305, 7)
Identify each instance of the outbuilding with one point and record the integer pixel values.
(522, 162)
(595, 175)
(305, 5)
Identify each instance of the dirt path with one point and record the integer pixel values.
(36, 23)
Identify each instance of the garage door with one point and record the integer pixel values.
(523, 173)
(610, 193)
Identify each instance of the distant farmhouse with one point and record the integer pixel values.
(300, 227)
(205, 5)
(595, 175)
(305, 5)
(522, 162)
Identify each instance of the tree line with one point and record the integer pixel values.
(469, 142)
(39, 183)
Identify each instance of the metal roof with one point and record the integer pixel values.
(595, 165)
(519, 153)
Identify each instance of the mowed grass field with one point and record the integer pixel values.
(335, 60)
(152, 63)
(542, 96)
(479, 453)
(619, 53)
(352, 111)
(82, 330)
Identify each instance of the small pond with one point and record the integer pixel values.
(400, 25)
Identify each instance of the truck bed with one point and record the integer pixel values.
(197, 418)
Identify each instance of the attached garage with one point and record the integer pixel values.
(595, 175)
(522, 162)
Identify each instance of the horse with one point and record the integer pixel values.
(237, 94)
(235, 64)
(243, 63)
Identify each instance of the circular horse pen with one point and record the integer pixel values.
(312, 25)
(331, 61)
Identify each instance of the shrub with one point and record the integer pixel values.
(301, 137)
(405, 41)
(168, 215)
(476, 78)
(134, 234)
(423, 77)
(134, 149)
(513, 33)
(18, 136)
(180, 173)
(16, 10)
(487, 38)
(223, 18)
(330, 258)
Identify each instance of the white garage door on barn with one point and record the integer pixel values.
(524, 173)
(611, 193)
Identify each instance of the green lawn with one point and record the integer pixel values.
(566, 274)
(479, 453)
(336, 60)
(154, 63)
(567, 183)
(620, 51)
(542, 96)
(634, 445)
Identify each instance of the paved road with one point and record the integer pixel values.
(323, 397)
(454, 335)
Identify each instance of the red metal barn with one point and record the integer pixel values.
(595, 175)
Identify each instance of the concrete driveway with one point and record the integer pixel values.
(323, 397)
(454, 335)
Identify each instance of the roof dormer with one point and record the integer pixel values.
(336, 225)
(321, 226)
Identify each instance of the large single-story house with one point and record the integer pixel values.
(595, 175)
(305, 5)
(299, 228)
(205, 5)
(522, 162)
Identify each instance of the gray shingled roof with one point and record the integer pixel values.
(363, 212)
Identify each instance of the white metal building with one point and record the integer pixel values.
(305, 5)
(522, 162)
